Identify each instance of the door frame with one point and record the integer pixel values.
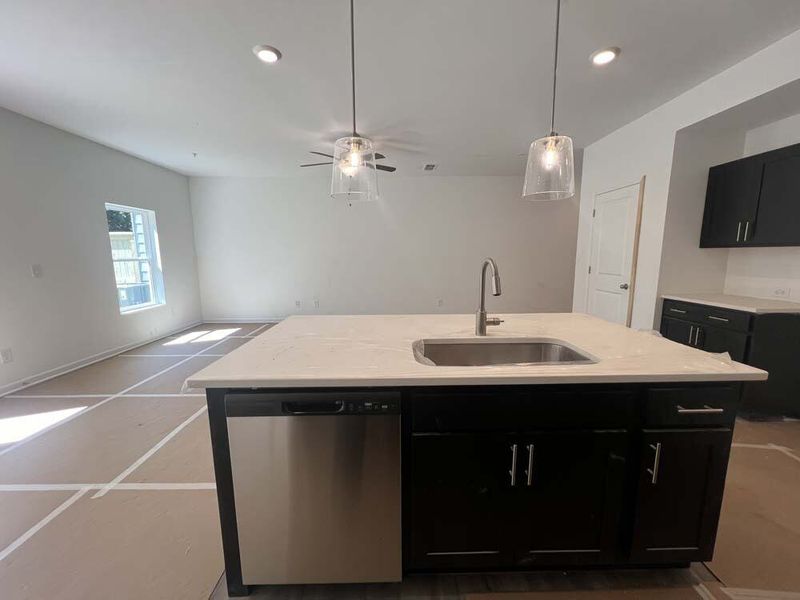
(634, 252)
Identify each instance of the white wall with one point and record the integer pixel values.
(53, 186)
(761, 272)
(685, 267)
(264, 244)
(645, 147)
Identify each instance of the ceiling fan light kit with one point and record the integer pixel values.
(550, 171)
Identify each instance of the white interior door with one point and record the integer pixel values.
(611, 261)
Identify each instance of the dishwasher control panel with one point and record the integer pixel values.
(377, 406)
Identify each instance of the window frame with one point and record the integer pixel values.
(152, 252)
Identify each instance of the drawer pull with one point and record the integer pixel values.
(696, 335)
(706, 410)
(719, 319)
(678, 310)
(691, 330)
(656, 460)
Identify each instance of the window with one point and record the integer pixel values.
(136, 257)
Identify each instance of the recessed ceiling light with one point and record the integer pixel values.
(605, 56)
(267, 54)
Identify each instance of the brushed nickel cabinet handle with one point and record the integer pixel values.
(678, 310)
(691, 330)
(746, 228)
(529, 470)
(513, 470)
(656, 461)
(696, 335)
(706, 410)
(719, 319)
(738, 231)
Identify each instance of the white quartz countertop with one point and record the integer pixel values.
(744, 303)
(375, 350)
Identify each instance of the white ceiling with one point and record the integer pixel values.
(461, 83)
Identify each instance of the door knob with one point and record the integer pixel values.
(623, 286)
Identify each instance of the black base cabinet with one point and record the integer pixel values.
(767, 341)
(637, 480)
(681, 480)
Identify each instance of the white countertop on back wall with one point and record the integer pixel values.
(375, 350)
(743, 303)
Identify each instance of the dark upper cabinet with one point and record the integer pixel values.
(681, 480)
(570, 490)
(731, 203)
(754, 201)
(779, 203)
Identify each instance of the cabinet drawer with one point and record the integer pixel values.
(686, 406)
(681, 310)
(724, 318)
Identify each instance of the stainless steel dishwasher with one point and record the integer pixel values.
(316, 482)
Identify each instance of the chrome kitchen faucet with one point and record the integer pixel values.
(480, 316)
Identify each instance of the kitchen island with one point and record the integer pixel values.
(343, 452)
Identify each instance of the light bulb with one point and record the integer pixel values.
(550, 156)
(351, 163)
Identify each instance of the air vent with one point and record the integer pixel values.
(429, 167)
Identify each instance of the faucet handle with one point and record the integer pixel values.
(493, 321)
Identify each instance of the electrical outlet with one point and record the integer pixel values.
(440, 303)
(298, 303)
(36, 271)
(6, 356)
(781, 292)
(316, 303)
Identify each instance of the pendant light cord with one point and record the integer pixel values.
(555, 71)
(353, 65)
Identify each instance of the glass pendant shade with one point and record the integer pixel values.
(550, 174)
(354, 175)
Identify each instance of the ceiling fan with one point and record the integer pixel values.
(353, 175)
(377, 155)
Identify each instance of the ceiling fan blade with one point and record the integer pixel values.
(379, 156)
(386, 168)
(321, 154)
(316, 164)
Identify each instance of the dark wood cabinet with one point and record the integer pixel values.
(767, 341)
(537, 496)
(719, 339)
(731, 203)
(461, 499)
(678, 330)
(569, 502)
(779, 203)
(754, 201)
(679, 496)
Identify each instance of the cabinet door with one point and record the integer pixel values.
(681, 480)
(571, 486)
(779, 205)
(679, 331)
(731, 201)
(460, 500)
(717, 339)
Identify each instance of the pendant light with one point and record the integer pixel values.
(354, 175)
(550, 172)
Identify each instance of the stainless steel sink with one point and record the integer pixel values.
(472, 352)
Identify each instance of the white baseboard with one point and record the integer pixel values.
(246, 320)
(20, 384)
